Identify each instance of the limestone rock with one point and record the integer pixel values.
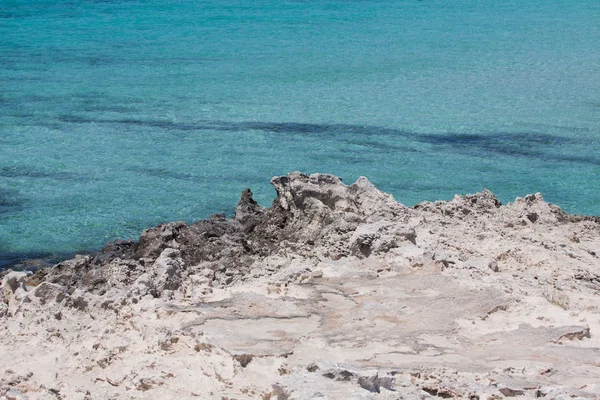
(48, 292)
(11, 283)
(335, 291)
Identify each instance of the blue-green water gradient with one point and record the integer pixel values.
(117, 115)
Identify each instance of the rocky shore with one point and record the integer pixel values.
(334, 292)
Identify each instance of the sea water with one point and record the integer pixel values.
(117, 115)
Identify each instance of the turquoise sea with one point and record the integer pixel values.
(117, 115)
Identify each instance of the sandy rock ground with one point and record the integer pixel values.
(335, 292)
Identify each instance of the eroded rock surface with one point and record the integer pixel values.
(336, 291)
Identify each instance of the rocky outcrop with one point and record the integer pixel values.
(334, 291)
(316, 215)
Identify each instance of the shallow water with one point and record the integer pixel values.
(118, 115)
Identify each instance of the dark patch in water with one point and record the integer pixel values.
(311, 129)
(26, 172)
(11, 15)
(163, 173)
(27, 115)
(168, 125)
(109, 108)
(10, 201)
(21, 78)
(76, 119)
(90, 95)
(540, 126)
(31, 261)
(530, 145)
(381, 147)
(525, 144)
(497, 140)
(286, 127)
(35, 98)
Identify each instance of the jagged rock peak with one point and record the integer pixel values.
(248, 210)
(299, 193)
